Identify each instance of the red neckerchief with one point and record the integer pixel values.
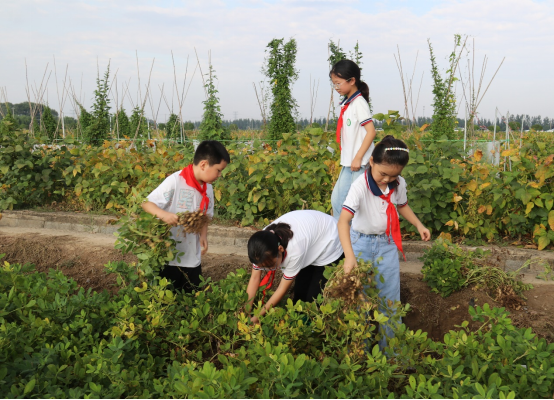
(344, 106)
(188, 174)
(393, 224)
(268, 279)
(339, 123)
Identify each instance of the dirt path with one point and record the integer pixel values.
(82, 256)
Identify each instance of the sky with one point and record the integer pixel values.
(82, 37)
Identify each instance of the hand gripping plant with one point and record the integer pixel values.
(150, 238)
(355, 289)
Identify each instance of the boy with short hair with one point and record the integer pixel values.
(188, 190)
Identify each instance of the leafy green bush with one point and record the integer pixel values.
(30, 174)
(444, 276)
(295, 174)
(449, 190)
(445, 266)
(57, 340)
(448, 268)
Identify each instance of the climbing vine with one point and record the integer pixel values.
(444, 99)
(279, 68)
(212, 127)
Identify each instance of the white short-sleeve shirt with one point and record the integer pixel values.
(174, 195)
(370, 210)
(315, 241)
(356, 116)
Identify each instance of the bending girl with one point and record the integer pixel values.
(300, 243)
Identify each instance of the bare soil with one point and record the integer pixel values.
(83, 259)
(437, 315)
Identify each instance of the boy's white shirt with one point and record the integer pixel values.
(315, 241)
(353, 132)
(174, 195)
(370, 211)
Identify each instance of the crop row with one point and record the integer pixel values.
(452, 192)
(60, 341)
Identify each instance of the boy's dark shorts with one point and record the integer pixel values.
(183, 278)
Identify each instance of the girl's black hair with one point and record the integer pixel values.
(391, 157)
(265, 244)
(347, 69)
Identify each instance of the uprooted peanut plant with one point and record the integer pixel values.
(448, 268)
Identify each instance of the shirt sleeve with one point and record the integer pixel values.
(293, 267)
(401, 193)
(210, 194)
(363, 112)
(162, 196)
(354, 196)
(295, 262)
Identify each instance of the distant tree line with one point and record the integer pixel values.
(45, 120)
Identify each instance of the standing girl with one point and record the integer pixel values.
(300, 243)
(355, 130)
(372, 206)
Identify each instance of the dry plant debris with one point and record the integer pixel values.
(355, 289)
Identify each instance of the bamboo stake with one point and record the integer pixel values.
(144, 102)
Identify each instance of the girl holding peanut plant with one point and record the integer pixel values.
(372, 207)
(355, 130)
(301, 244)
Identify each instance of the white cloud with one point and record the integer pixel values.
(78, 33)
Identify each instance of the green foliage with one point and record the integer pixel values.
(30, 175)
(336, 53)
(212, 127)
(98, 128)
(188, 125)
(495, 361)
(356, 55)
(23, 108)
(456, 195)
(391, 122)
(59, 341)
(448, 268)
(445, 266)
(8, 124)
(444, 99)
(85, 119)
(49, 124)
(296, 174)
(279, 69)
(173, 127)
(514, 125)
(148, 238)
(537, 127)
(137, 117)
(122, 126)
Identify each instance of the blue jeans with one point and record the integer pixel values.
(382, 252)
(340, 191)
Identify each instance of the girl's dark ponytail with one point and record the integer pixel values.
(364, 90)
(265, 244)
